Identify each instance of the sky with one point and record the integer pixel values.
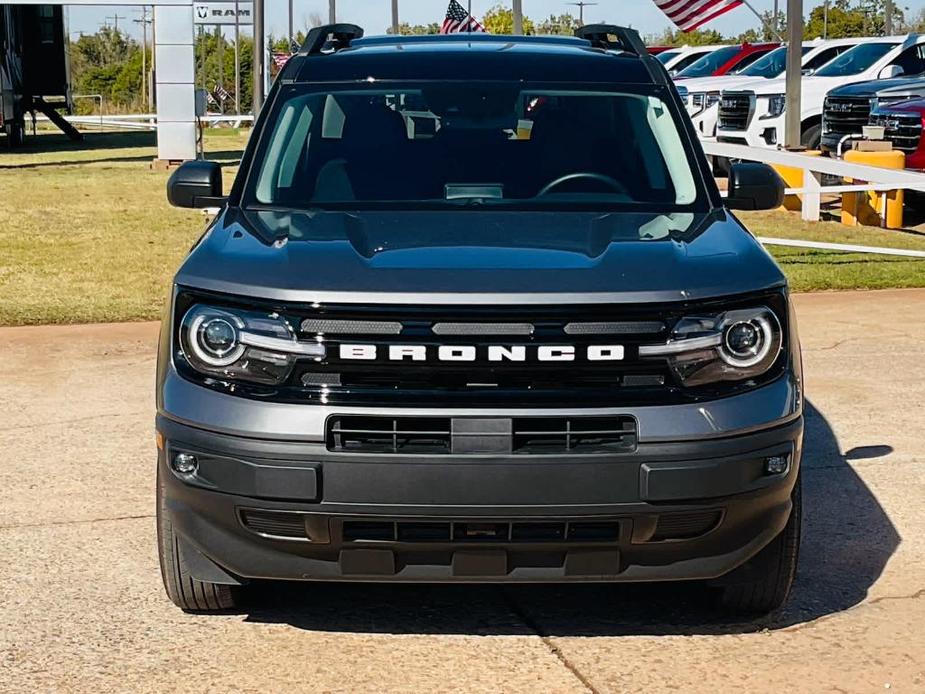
(375, 15)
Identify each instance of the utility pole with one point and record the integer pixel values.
(260, 56)
(332, 11)
(115, 19)
(518, 18)
(888, 17)
(793, 127)
(825, 20)
(395, 27)
(581, 5)
(144, 54)
(290, 34)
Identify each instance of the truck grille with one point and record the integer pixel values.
(904, 130)
(504, 436)
(557, 356)
(735, 110)
(845, 115)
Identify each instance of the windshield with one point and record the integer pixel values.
(665, 56)
(462, 144)
(771, 65)
(856, 60)
(710, 63)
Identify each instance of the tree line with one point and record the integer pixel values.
(109, 62)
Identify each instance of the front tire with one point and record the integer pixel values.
(763, 583)
(812, 137)
(185, 591)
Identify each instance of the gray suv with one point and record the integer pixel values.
(474, 310)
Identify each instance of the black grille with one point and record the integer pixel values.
(480, 531)
(684, 526)
(904, 130)
(520, 376)
(275, 523)
(446, 436)
(735, 111)
(845, 115)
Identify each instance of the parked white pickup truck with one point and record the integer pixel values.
(754, 114)
(703, 94)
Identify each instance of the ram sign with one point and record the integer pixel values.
(222, 12)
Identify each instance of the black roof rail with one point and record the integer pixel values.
(629, 40)
(330, 38)
(600, 35)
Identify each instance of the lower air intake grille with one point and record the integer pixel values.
(684, 526)
(453, 532)
(446, 436)
(274, 523)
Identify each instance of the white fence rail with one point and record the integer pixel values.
(142, 121)
(815, 168)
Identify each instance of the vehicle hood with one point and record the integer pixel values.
(716, 84)
(466, 257)
(906, 106)
(896, 86)
(811, 85)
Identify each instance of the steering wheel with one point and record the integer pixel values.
(611, 182)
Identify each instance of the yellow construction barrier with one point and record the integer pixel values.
(867, 208)
(793, 177)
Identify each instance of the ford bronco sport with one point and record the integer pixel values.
(475, 310)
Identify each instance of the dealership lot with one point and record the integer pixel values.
(82, 608)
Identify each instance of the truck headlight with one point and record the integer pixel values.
(777, 103)
(732, 346)
(242, 345)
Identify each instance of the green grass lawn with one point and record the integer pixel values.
(87, 234)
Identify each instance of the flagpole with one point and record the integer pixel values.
(469, 22)
(395, 27)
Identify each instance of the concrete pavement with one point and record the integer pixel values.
(82, 608)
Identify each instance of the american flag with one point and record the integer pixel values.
(280, 59)
(459, 21)
(221, 93)
(689, 15)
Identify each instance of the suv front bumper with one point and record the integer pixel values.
(670, 510)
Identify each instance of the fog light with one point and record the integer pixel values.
(185, 464)
(776, 465)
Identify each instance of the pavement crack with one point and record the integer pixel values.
(86, 521)
(544, 636)
(867, 603)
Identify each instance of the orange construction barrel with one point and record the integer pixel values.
(867, 208)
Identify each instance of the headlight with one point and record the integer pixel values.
(776, 105)
(731, 346)
(704, 100)
(242, 345)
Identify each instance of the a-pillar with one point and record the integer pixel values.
(175, 83)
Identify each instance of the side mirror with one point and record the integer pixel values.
(809, 72)
(891, 71)
(754, 187)
(196, 184)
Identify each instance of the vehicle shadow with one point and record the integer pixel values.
(113, 147)
(847, 540)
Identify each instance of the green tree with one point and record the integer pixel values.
(405, 29)
(850, 18)
(563, 25)
(500, 20)
(700, 37)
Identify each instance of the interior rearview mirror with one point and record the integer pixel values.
(754, 186)
(891, 71)
(196, 184)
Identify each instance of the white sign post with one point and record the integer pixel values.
(223, 12)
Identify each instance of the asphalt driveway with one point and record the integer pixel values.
(82, 608)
